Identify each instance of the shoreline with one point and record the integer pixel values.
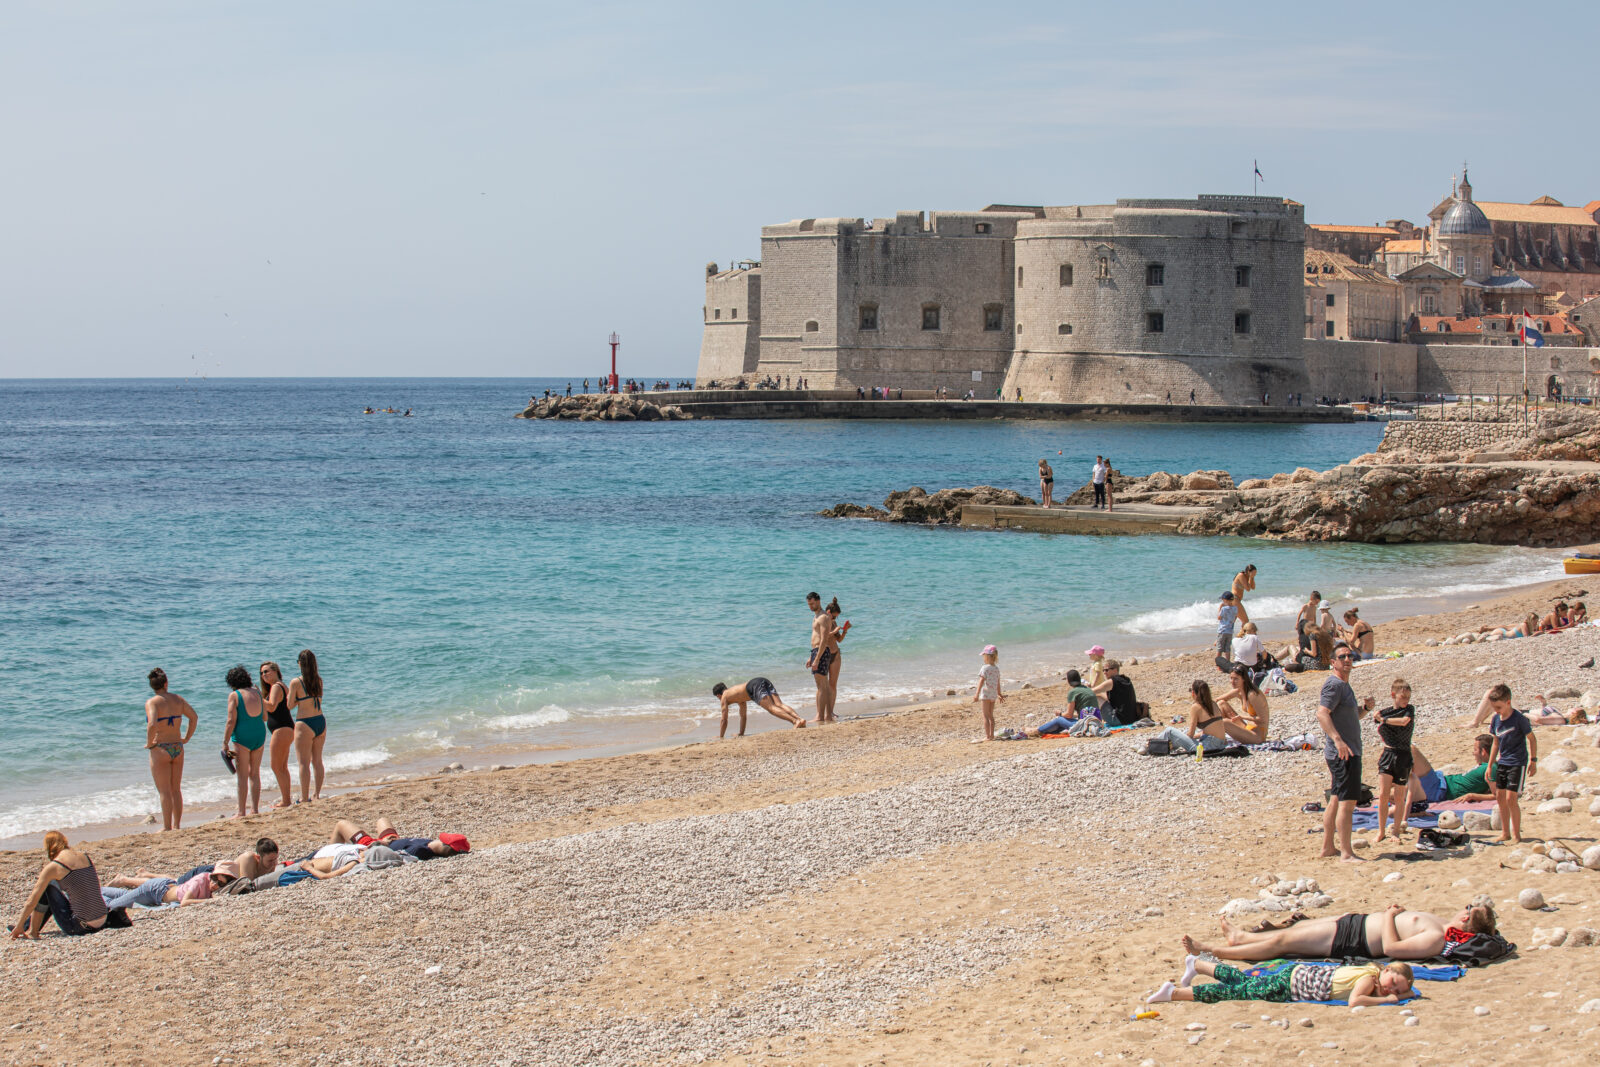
(882, 889)
(671, 729)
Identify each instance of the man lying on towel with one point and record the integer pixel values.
(1395, 934)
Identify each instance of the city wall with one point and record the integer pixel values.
(1371, 368)
(1092, 378)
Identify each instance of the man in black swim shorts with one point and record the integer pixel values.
(760, 691)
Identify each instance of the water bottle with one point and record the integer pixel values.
(1200, 750)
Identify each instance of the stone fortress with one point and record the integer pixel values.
(1232, 298)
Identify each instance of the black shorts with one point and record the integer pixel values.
(824, 663)
(760, 689)
(1350, 938)
(1510, 777)
(1345, 778)
(1396, 764)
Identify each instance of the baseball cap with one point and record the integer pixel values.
(456, 842)
(990, 650)
(1227, 596)
(1095, 651)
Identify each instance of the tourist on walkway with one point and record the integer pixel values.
(1047, 481)
(1109, 485)
(1098, 478)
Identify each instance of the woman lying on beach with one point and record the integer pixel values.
(245, 737)
(281, 724)
(151, 890)
(68, 890)
(165, 741)
(1245, 706)
(1396, 934)
(1359, 987)
(1205, 728)
(310, 727)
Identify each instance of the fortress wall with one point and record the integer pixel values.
(1359, 368)
(730, 340)
(799, 267)
(1118, 378)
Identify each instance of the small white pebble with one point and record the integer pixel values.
(1195, 1026)
(1307, 1022)
(1195, 1039)
(1480, 1010)
(1537, 1028)
(1393, 876)
(435, 969)
(1412, 1020)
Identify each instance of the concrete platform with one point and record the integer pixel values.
(1080, 519)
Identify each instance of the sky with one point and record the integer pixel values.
(405, 188)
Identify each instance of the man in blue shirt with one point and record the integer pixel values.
(1514, 755)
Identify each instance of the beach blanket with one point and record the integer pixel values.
(1367, 818)
(1462, 805)
(1421, 972)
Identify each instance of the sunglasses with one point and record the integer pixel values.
(1342, 656)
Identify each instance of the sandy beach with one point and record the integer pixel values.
(882, 891)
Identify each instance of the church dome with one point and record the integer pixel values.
(1464, 219)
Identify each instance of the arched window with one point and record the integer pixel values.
(811, 326)
(930, 316)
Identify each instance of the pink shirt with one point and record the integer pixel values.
(196, 888)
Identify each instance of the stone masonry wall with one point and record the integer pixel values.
(1433, 436)
(1124, 379)
(1360, 368)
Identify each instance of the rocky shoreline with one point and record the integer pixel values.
(605, 407)
(1535, 486)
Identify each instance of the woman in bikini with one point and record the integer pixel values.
(1111, 502)
(281, 725)
(165, 741)
(1047, 481)
(1205, 724)
(1245, 706)
(310, 728)
(245, 737)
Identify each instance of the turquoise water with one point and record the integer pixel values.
(471, 581)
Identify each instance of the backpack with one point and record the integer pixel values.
(1158, 746)
(1478, 949)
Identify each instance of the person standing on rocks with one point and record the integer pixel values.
(1047, 481)
(1109, 480)
(1098, 478)
(762, 692)
(1340, 718)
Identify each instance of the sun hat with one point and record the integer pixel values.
(1094, 651)
(990, 650)
(456, 842)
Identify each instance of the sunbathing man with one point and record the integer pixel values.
(763, 693)
(423, 848)
(1397, 934)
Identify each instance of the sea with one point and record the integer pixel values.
(483, 589)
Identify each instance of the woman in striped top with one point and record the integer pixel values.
(68, 891)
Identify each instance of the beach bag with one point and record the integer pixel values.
(1478, 949)
(1431, 838)
(1158, 746)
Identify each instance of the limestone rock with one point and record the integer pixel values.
(1494, 820)
(1449, 820)
(1552, 936)
(1560, 855)
(1556, 807)
(1476, 820)
(1539, 863)
(1563, 692)
(917, 505)
(1568, 868)
(1582, 937)
(1559, 764)
(1591, 857)
(1566, 791)
(1531, 899)
(1590, 1006)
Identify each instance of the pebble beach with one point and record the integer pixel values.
(881, 891)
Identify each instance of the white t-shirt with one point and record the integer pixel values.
(341, 854)
(1100, 473)
(1247, 649)
(989, 682)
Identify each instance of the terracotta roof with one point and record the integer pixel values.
(1413, 245)
(1390, 230)
(1538, 214)
(1325, 265)
(1549, 324)
(1592, 206)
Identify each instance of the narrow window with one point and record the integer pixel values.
(993, 316)
(1427, 304)
(1477, 264)
(1329, 332)
(1236, 228)
(1019, 275)
(811, 326)
(718, 313)
(930, 316)
(982, 227)
(1461, 264)
(1155, 322)
(1066, 274)
(1241, 322)
(1330, 300)
(733, 314)
(1241, 277)
(1065, 327)
(869, 316)
(1155, 274)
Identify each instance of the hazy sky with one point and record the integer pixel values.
(491, 188)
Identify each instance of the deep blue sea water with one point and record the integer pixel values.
(473, 581)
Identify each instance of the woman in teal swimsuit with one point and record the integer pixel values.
(246, 737)
(310, 728)
(161, 737)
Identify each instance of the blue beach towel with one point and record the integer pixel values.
(1367, 819)
(1422, 973)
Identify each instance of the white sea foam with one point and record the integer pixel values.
(109, 805)
(548, 715)
(1202, 614)
(356, 760)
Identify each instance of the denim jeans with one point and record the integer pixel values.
(55, 905)
(1056, 725)
(149, 894)
(1181, 741)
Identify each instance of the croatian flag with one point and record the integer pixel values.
(1530, 333)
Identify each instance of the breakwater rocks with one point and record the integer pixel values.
(1411, 504)
(942, 508)
(605, 407)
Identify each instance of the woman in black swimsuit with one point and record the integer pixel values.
(1111, 503)
(281, 725)
(1047, 481)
